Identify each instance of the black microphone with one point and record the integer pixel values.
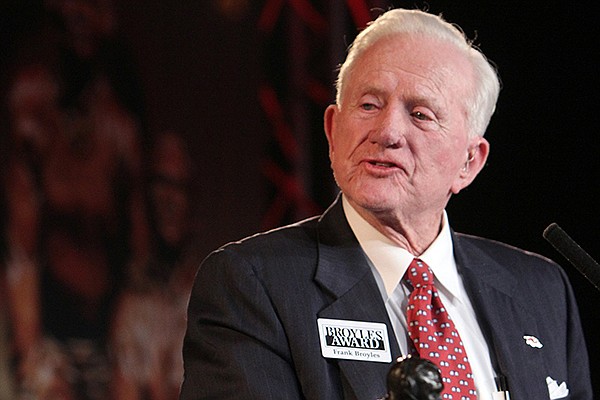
(574, 253)
(414, 378)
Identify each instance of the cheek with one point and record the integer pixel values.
(339, 149)
(443, 163)
(448, 162)
(453, 155)
(337, 162)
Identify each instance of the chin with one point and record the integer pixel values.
(372, 200)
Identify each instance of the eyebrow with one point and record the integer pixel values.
(370, 90)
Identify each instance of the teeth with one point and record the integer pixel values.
(383, 164)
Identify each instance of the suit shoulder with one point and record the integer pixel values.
(283, 243)
(500, 250)
(286, 236)
(530, 271)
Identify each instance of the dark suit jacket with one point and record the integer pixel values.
(252, 330)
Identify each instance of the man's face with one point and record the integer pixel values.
(399, 139)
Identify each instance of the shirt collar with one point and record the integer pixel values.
(392, 261)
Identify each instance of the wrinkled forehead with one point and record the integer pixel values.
(440, 61)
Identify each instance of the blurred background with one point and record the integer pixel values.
(137, 136)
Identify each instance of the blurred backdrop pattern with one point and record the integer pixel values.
(136, 136)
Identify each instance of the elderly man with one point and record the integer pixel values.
(319, 309)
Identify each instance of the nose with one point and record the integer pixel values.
(389, 131)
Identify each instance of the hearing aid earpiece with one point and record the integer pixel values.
(470, 157)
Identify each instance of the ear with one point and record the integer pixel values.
(475, 159)
(329, 124)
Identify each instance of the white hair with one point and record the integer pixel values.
(486, 88)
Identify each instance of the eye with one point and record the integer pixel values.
(368, 106)
(369, 102)
(421, 116)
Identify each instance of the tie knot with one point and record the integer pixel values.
(418, 274)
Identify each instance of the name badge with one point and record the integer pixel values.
(354, 340)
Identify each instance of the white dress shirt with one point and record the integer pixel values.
(389, 262)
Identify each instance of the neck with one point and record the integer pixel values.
(415, 233)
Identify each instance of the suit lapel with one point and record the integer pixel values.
(504, 320)
(344, 273)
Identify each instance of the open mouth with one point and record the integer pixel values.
(382, 164)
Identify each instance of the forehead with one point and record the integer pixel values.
(429, 63)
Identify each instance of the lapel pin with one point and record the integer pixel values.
(533, 342)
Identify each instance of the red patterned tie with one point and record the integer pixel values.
(435, 336)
